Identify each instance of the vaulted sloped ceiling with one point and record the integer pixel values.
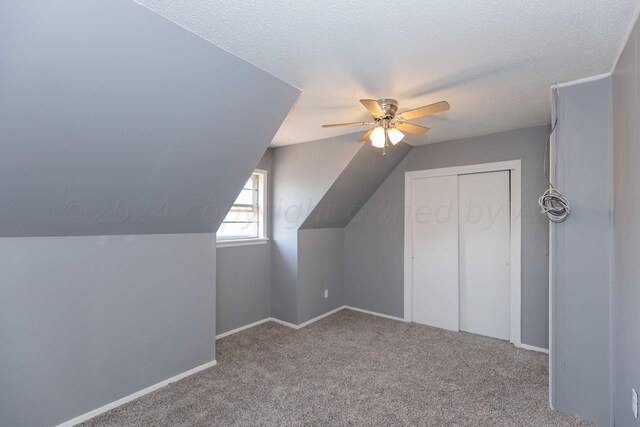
(114, 120)
(493, 60)
(355, 185)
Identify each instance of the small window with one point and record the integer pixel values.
(246, 219)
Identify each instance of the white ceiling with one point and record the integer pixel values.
(493, 60)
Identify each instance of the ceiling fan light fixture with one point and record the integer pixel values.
(389, 127)
(377, 137)
(395, 135)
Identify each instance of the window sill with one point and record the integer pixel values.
(240, 242)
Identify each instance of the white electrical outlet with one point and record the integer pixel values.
(634, 402)
(326, 293)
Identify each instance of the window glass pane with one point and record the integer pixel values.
(243, 221)
(237, 231)
(247, 197)
(242, 215)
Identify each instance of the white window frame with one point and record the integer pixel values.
(262, 221)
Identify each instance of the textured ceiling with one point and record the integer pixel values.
(493, 60)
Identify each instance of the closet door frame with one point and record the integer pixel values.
(515, 243)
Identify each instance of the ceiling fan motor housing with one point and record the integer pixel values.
(389, 106)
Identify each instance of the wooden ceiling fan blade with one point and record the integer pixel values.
(366, 136)
(347, 124)
(411, 128)
(373, 107)
(426, 110)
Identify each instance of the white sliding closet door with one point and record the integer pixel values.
(484, 234)
(434, 222)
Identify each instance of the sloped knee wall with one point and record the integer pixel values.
(302, 174)
(114, 121)
(319, 187)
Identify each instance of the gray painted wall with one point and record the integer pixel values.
(374, 269)
(243, 286)
(87, 320)
(302, 174)
(626, 237)
(318, 186)
(115, 120)
(243, 275)
(374, 250)
(110, 121)
(320, 267)
(244, 290)
(581, 374)
(355, 185)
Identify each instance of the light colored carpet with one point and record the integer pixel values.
(354, 369)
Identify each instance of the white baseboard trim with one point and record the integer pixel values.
(308, 322)
(373, 313)
(137, 394)
(242, 328)
(322, 316)
(533, 348)
(283, 323)
(315, 319)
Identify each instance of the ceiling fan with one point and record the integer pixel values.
(389, 127)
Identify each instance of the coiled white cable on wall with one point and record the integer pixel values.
(553, 204)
